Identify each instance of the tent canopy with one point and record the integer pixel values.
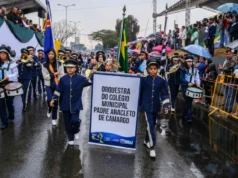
(181, 4)
(27, 6)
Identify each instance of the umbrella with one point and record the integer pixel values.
(197, 51)
(136, 51)
(133, 42)
(155, 54)
(129, 50)
(143, 39)
(228, 7)
(233, 45)
(159, 48)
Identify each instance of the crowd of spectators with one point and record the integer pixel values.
(18, 17)
(201, 33)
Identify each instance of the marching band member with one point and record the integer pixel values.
(68, 53)
(52, 71)
(74, 56)
(174, 80)
(41, 60)
(35, 72)
(25, 76)
(154, 91)
(189, 77)
(108, 66)
(69, 94)
(140, 64)
(60, 53)
(100, 58)
(8, 74)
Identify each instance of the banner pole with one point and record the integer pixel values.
(119, 45)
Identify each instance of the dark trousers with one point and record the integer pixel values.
(150, 132)
(174, 89)
(50, 92)
(187, 106)
(210, 45)
(26, 88)
(41, 84)
(71, 123)
(229, 98)
(3, 113)
(208, 92)
(7, 109)
(34, 87)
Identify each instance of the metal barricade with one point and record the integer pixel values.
(223, 138)
(224, 97)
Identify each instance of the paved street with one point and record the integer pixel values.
(31, 148)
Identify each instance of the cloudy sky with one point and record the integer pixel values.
(102, 14)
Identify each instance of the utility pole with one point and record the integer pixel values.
(66, 10)
(154, 15)
(160, 27)
(166, 18)
(75, 26)
(187, 13)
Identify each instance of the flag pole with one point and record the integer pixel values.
(119, 45)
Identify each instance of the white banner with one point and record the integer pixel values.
(114, 109)
(9, 39)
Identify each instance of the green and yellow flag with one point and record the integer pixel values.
(122, 56)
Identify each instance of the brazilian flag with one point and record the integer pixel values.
(122, 56)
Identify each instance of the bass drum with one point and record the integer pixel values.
(14, 89)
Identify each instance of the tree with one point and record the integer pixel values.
(79, 47)
(133, 27)
(108, 38)
(98, 47)
(59, 31)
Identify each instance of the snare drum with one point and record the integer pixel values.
(193, 92)
(2, 94)
(14, 89)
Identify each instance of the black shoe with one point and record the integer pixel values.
(10, 120)
(4, 126)
(24, 110)
(189, 121)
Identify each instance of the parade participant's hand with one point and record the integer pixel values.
(94, 70)
(52, 103)
(6, 78)
(219, 67)
(190, 84)
(166, 111)
(138, 74)
(56, 73)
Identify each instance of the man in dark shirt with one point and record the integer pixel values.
(211, 36)
(12, 16)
